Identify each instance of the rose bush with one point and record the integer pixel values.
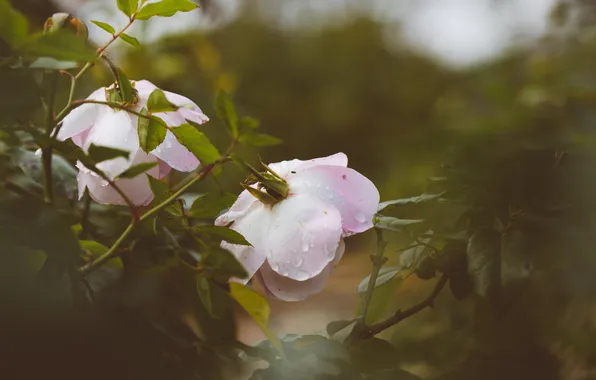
(101, 125)
(297, 241)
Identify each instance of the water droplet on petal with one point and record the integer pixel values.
(274, 266)
(299, 261)
(305, 246)
(302, 276)
(360, 218)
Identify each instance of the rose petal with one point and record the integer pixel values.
(175, 154)
(303, 236)
(144, 88)
(285, 168)
(251, 226)
(354, 195)
(239, 208)
(164, 169)
(189, 110)
(286, 289)
(115, 129)
(81, 118)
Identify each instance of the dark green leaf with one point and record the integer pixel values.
(222, 233)
(408, 201)
(107, 27)
(103, 153)
(158, 102)
(223, 262)
(374, 354)
(160, 189)
(257, 307)
(259, 139)
(385, 275)
(392, 374)
(410, 258)
(165, 8)
(204, 290)
(210, 205)
(336, 326)
(93, 247)
(47, 63)
(125, 87)
(135, 170)
(227, 112)
(13, 25)
(130, 40)
(197, 143)
(128, 7)
(394, 224)
(62, 45)
(151, 132)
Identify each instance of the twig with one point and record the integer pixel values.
(378, 262)
(372, 330)
(46, 152)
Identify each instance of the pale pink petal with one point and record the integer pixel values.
(354, 195)
(238, 209)
(79, 139)
(144, 88)
(303, 236)
(188, 109)
(287, 168)
(286, 289)
(115, 129)
(175, 154)
(81, 118)
(251, 226)
(164, 169)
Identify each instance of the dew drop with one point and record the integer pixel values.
(274, 266)
(299, 261)
(302, 276)
(360, 218)
(305, 246)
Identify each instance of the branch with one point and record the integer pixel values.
(378, 262)
(46, 153)
(205, 171)
(400, 315)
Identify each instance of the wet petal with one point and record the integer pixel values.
(286, 289)
(82, 118)
(303, 236)
(354, 195)
(144, 88)
(285, 168)
(238, 209)
(252, 226)
(189, 110)
(175, 154)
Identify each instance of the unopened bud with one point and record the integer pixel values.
(63, 20)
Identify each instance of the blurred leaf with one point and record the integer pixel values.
(394, 224)
(130, 40)
(210, 205)
(385, 275)
(138, 169)
(97, 249)
(197, 143)
(410, 258)
(212, 296)
(484, 261)
(165, 8)
(257, 307)
(150, 131)
(222, 233)
(392, 374)
(223, 262)
(374, 354)
(107, 27)
(247, 122)
(61, 45)
(14, 27)
(52, 64)
(128, 7)
(160, 190)
(226, 112)
(103, 153)
(336, 326)
(259, 140)
(158, 102)
(204, 290)
(408, 201)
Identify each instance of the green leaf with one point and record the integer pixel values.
(160, 189)
(210, 205)
(484, 262)
(165, 8)
(150, 131)
(394, 224)
(130, 40)
(14, 27)
(197, 143)
(136, 170)
(107, 27)
(93, 247)
(226, 112)
(125, 87)
(392, 374)
(257, 307)
(224, 262)
(413, 256)
(61, 45)
(158, 102)
(374, 354)
(47, 63)
(204, 290)
(385, 275)
(222, 233)
(336, 326)
(128, 7)
(409, 201)
(259, 140)
(247, 122)
(103, 153)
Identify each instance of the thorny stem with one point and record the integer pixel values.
(46, 152)
(205, 171)
(377, 262)
(365, 332)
